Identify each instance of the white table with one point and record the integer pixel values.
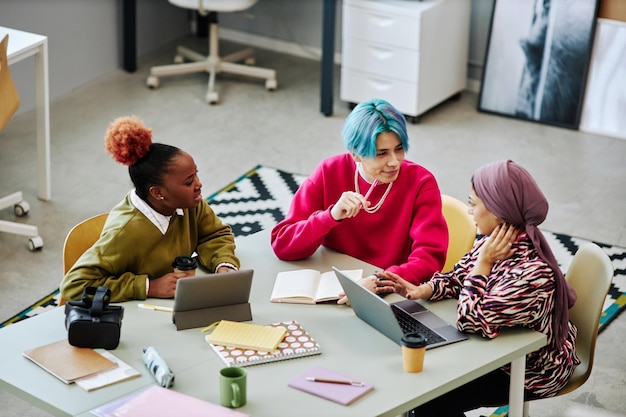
(349, 345)
(21, 46)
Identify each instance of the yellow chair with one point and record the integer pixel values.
(461, 230)
(80, 238)
(214, 63)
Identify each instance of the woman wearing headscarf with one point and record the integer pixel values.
(510, 278)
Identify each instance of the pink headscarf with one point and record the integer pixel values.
(511, 193)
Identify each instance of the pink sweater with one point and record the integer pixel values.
(408, 235)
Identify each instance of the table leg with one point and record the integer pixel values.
(516, 389)
(129, 34)
(42, 110)
(328, 57)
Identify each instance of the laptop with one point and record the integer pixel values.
(205, 299)
(399, 318)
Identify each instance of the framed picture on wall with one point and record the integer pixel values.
(537, 60)
(604, 107)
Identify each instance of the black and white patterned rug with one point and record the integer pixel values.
(261, 198)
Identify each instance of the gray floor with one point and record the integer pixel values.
(583, 175)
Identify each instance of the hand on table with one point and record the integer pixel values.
(369, 282)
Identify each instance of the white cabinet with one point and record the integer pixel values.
(411, 53)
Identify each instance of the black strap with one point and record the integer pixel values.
(96, 299)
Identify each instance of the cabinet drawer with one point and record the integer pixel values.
(358, 86)
(380, 26)
(380, 59)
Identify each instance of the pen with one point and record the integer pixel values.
(153, 307)
(369, 192)
(335, 381)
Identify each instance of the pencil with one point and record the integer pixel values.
(335, 381)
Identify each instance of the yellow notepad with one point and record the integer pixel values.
(247, 336)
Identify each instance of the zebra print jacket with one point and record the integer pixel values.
(519, 291)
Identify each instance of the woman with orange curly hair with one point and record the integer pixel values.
(162, 218)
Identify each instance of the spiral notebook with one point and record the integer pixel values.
(296, 343)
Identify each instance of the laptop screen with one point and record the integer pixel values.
(379, 314)
(371, 308)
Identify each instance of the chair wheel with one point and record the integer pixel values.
(35, 243)
(21, 209)
(152, 82)
(179, 59)
(212, 97)
(271, 85)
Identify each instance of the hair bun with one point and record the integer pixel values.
(128, 140)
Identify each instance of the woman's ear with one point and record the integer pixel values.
(155, 192)
(356, 158)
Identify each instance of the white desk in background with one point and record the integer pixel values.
(349, 345)
(21, 46)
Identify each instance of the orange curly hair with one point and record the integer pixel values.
(128, 140)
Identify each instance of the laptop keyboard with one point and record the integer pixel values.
(409, 324)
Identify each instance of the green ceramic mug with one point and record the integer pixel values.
(233, 387)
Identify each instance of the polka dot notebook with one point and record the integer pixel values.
(296, 343)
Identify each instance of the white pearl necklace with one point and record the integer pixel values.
(378, 205)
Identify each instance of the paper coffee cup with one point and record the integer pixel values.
(185, 264)
(413, 350)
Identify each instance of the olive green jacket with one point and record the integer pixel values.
(131, 249)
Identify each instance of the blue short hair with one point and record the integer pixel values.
(366, 121)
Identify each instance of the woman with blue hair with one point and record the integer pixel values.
(370, 202)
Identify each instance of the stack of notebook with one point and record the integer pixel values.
(296, 343)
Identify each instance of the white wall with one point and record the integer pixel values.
(85, 36)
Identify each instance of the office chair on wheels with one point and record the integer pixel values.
(9, 103)
(213, 63)
(20, 209)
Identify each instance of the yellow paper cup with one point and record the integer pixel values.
(413, 350)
